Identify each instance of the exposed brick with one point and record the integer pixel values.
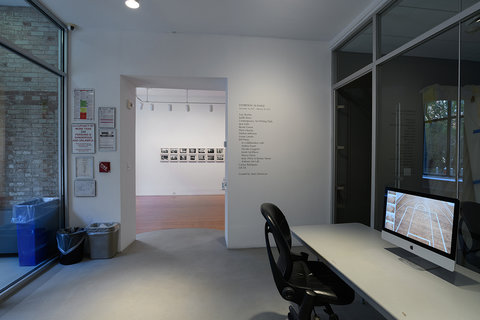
(28, 109)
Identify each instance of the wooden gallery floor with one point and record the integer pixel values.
(175, 212)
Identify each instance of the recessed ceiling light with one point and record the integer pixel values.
(132, 4)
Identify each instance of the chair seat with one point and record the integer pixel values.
(317, 277)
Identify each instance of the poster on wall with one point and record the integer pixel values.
(106, 117)
(107, 140)
(83, 138)
(84, 104)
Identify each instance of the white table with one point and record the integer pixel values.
(397, 288)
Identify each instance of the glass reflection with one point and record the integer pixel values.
(470, 93)
(407, 19)
(417, 120)
(355, 54)
(29, 29)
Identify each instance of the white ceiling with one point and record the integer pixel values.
(293, 19)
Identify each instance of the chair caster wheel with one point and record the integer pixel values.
(292, 315)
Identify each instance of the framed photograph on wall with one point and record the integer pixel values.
(192, 157)
(164, 157)
(164, 150)
(173, 150)
(182, 157)
(173, 157)
(183, 150)
(210, 157)
(219, 157)
(201, 150)
(210, 150)
(192, 150)
(220, 150)
(202, 157)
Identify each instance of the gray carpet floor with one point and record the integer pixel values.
(167, 274)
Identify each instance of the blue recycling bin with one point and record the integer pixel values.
(37, 223)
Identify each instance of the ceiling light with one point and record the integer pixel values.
(473, 26)
(132, 4)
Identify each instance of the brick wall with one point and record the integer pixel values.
(28, 109)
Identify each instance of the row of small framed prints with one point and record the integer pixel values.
(192, 151)
(201, 157)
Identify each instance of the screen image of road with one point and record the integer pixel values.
(426, 220)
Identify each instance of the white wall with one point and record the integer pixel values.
(162, 128)
(290, 77)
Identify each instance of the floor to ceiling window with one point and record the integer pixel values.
(426, 97)
(32, 80)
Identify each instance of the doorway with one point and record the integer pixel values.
(180, 158)
(353, 151)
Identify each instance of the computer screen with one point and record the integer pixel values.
(424, 224)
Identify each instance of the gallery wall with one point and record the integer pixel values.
(165, 128)
(286, 82)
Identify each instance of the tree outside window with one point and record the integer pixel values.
(440, 139)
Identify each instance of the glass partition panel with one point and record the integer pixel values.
(470, 94)
(407, 19)
(32, 31)
(355, 54)
(468, 3)
(29, 165)
(353, 144)
(417, 120)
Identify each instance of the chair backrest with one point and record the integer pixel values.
(470, 218)
(277, 225)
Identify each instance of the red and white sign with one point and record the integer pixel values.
(104, 167)
(83, 138)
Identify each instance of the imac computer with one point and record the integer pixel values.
(423, 224)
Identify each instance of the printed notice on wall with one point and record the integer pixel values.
(107, 140)
(83, 138)
(84, 167)
(84, 104)
(84, 188)
(254, 126)
(106, 117)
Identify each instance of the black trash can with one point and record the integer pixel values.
(70, 244)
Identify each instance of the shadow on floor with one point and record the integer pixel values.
(269, 316)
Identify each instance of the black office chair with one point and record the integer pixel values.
(469, 232)
(305, 283)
